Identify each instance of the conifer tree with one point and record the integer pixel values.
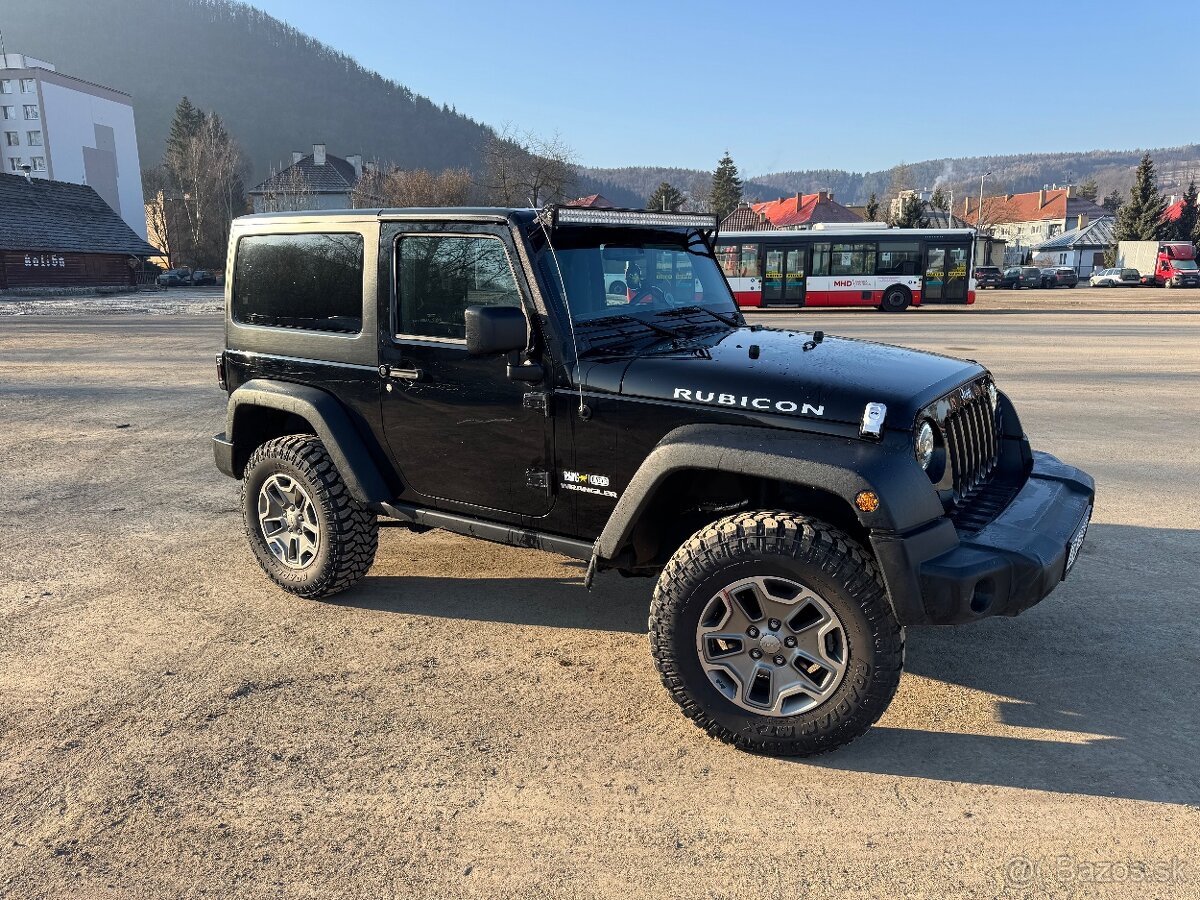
(939, 200)
(1140, 217)
(666, 198)
(1189, 217)
(872, 209)
(726, 191)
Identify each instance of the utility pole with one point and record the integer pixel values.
(979, 213)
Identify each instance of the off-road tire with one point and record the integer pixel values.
(350, 532)
(791, 546)
(896, 299)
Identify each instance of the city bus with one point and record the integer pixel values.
(867, 264)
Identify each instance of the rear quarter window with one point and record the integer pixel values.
(312, 281)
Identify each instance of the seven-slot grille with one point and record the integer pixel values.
(971, 429)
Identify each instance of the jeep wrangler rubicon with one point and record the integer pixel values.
(582, 381)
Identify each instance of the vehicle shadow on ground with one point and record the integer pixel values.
(1100, 665)
(1109, 660)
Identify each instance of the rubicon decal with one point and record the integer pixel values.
(765, 404)
(587, 483)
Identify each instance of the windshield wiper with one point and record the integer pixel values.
(625, 317)
(732, 323)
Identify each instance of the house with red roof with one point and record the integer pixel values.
(591, 201)
(802, 211)
(1029, 219)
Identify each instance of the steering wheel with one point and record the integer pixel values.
(650, 294)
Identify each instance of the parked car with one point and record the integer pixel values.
(1021, 276)
(800, 514)
(203, 276)
(175, 278)
(1115, 278)
(988, 276)
(1059, 276)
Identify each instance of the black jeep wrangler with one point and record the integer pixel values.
(581, 381)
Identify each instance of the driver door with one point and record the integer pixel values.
(460, 431)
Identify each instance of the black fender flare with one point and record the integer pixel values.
(843, 466)
(328, 419)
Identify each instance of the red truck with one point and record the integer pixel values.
(1169, 263)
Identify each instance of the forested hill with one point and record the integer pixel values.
(1111, 169)
(277, 89)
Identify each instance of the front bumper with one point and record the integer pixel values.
(1003, 569)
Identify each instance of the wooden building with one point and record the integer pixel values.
(54, 234)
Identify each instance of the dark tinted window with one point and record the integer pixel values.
(309, 281)
(898, 259)
(440, 277)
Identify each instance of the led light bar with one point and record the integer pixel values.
(578, 215)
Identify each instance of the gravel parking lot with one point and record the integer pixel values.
(471, 722)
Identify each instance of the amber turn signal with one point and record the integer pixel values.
(867, 501)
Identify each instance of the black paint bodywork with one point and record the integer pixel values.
(581, 461)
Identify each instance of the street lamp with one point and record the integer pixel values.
(979, 212)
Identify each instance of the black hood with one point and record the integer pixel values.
(831, 382)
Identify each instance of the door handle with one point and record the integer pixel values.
(413, 374)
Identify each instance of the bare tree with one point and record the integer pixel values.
(162, 220)
(208, 170)
(413, 187)
(287, 191)
(521, 168)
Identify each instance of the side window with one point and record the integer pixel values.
(748, 268)
(440, 276)
(312, 281)
(853, 259)
(898, 259)
(727, 256)
(820, 262)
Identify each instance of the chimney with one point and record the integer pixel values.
(296, 156)
(319, 154)
(824, 197)
(1070, 191)
(356, 161)
(1042, 197)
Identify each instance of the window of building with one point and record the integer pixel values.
(35, 138)
(27, 86)
(439, 277)
(39, 163)
(32, 112)
(10, 112)
(12, 139)
(311, 281)
(852, 259)
(15, 164)
(6, 86)
(1062, 259)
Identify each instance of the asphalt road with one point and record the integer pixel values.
(471, 722)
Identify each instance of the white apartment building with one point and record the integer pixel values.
(68, 129)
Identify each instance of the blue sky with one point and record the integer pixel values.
(785, 85)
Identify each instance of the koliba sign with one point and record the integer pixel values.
(49, 261)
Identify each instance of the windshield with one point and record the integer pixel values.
(1184, 265)
(655, 285)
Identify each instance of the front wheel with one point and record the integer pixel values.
(309, 535)
(774, 633)
(895, 299)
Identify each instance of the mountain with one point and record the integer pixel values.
(276, 89)
(1112, 170)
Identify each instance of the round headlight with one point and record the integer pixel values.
(993, 395)
(923, 445)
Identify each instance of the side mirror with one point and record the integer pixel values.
(493, 330)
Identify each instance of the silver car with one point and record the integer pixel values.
(1115, 278)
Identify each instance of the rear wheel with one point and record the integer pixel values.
(773, 632)
(896, 299)
(309, 535)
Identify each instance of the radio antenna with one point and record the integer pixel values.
(541, 217)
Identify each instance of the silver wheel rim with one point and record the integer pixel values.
(772, 646)
(287, 518)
